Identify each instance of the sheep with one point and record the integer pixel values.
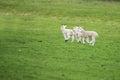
(78, 34)
(87, 34)
(67, 33)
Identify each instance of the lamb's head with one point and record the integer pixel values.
(81, 29)
(63, 26)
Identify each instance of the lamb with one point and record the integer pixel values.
(67, 33)
(78, 34)
(87, 34)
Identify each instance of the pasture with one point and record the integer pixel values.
(32, 46)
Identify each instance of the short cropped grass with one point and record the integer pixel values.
(32, 46)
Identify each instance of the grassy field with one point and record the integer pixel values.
(32, 46)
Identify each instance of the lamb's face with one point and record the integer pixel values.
(81, 29)
(63, 27)
(77, 29)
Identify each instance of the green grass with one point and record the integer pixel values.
(25, 23)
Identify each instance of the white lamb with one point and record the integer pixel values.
(67, 33)
(78, 34)
(87, 34)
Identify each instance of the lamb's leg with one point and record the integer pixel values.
(93, 41)
(79, 39)
(65, 37)
(72, 38)
(87, 40)
(83, 40)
